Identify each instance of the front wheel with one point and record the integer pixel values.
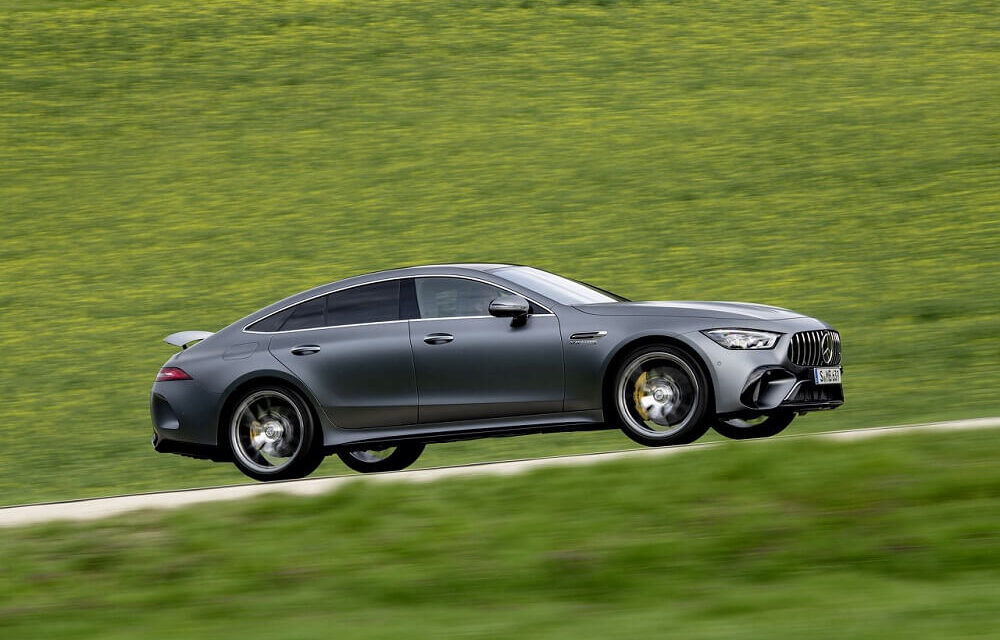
(384, 459)
(759, 427)
(661, 396)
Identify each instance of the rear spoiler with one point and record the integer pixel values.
(183, 338)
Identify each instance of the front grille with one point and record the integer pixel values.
(811, 348)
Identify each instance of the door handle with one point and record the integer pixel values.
(438, 338)
(305, 349)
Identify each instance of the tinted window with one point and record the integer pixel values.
(307, 315)
(272, 322)
(454, 297)
(376, 302)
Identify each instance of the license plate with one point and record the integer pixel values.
(827, 376)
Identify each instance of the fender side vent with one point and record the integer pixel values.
(588, 335)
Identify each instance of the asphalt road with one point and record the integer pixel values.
(95, 508)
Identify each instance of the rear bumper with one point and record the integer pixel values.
(183, 412)
(191, 450)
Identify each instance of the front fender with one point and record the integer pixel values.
(589, 362)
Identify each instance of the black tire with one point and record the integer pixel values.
(273, 436)
(673, 409)
(772, 424)
(385, 459)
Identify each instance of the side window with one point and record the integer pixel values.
(272, 322)
(454, 297)
(307, 315)
(376, 302)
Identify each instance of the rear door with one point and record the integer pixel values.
(470, 365)
(352, 349)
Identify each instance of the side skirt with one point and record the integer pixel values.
(337, 439)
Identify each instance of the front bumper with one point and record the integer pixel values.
(789, 387)
(754, 382)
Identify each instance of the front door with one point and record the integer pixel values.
(471, 365)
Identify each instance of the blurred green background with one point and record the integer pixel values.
(169, 165)
(888, 538)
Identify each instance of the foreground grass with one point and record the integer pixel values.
(170, 165)
(889, 538)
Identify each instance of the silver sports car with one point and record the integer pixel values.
(375, 367)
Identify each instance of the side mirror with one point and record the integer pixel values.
(511, 306)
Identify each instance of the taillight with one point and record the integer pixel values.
(171, 373)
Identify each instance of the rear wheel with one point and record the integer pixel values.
(384, 459)
(661, 395)
(272, 435)
(759, 427)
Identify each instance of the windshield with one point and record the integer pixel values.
(562, 290)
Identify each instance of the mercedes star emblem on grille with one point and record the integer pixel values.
(827, 346)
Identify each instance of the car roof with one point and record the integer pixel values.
(425, 269)
(375, 276)
(471, 266)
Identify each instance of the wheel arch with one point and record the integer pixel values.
(254, 380)
(617, 356)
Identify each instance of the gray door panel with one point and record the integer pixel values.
(362, 375)
(482, 367)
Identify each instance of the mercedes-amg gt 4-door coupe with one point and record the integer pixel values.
(375, 367)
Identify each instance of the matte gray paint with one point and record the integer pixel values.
(382, 382)
(687, 309)
(491, 369)
(362, 375)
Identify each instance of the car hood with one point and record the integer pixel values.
(691, 309)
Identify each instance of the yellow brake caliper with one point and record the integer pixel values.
(639, 384)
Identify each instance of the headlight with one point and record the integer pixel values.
(743, 338)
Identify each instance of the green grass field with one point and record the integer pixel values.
(888, 538)
(169, 165)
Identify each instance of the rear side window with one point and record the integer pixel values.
(454, 297)
(273, 322)
(308, 315)
(378, 302)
